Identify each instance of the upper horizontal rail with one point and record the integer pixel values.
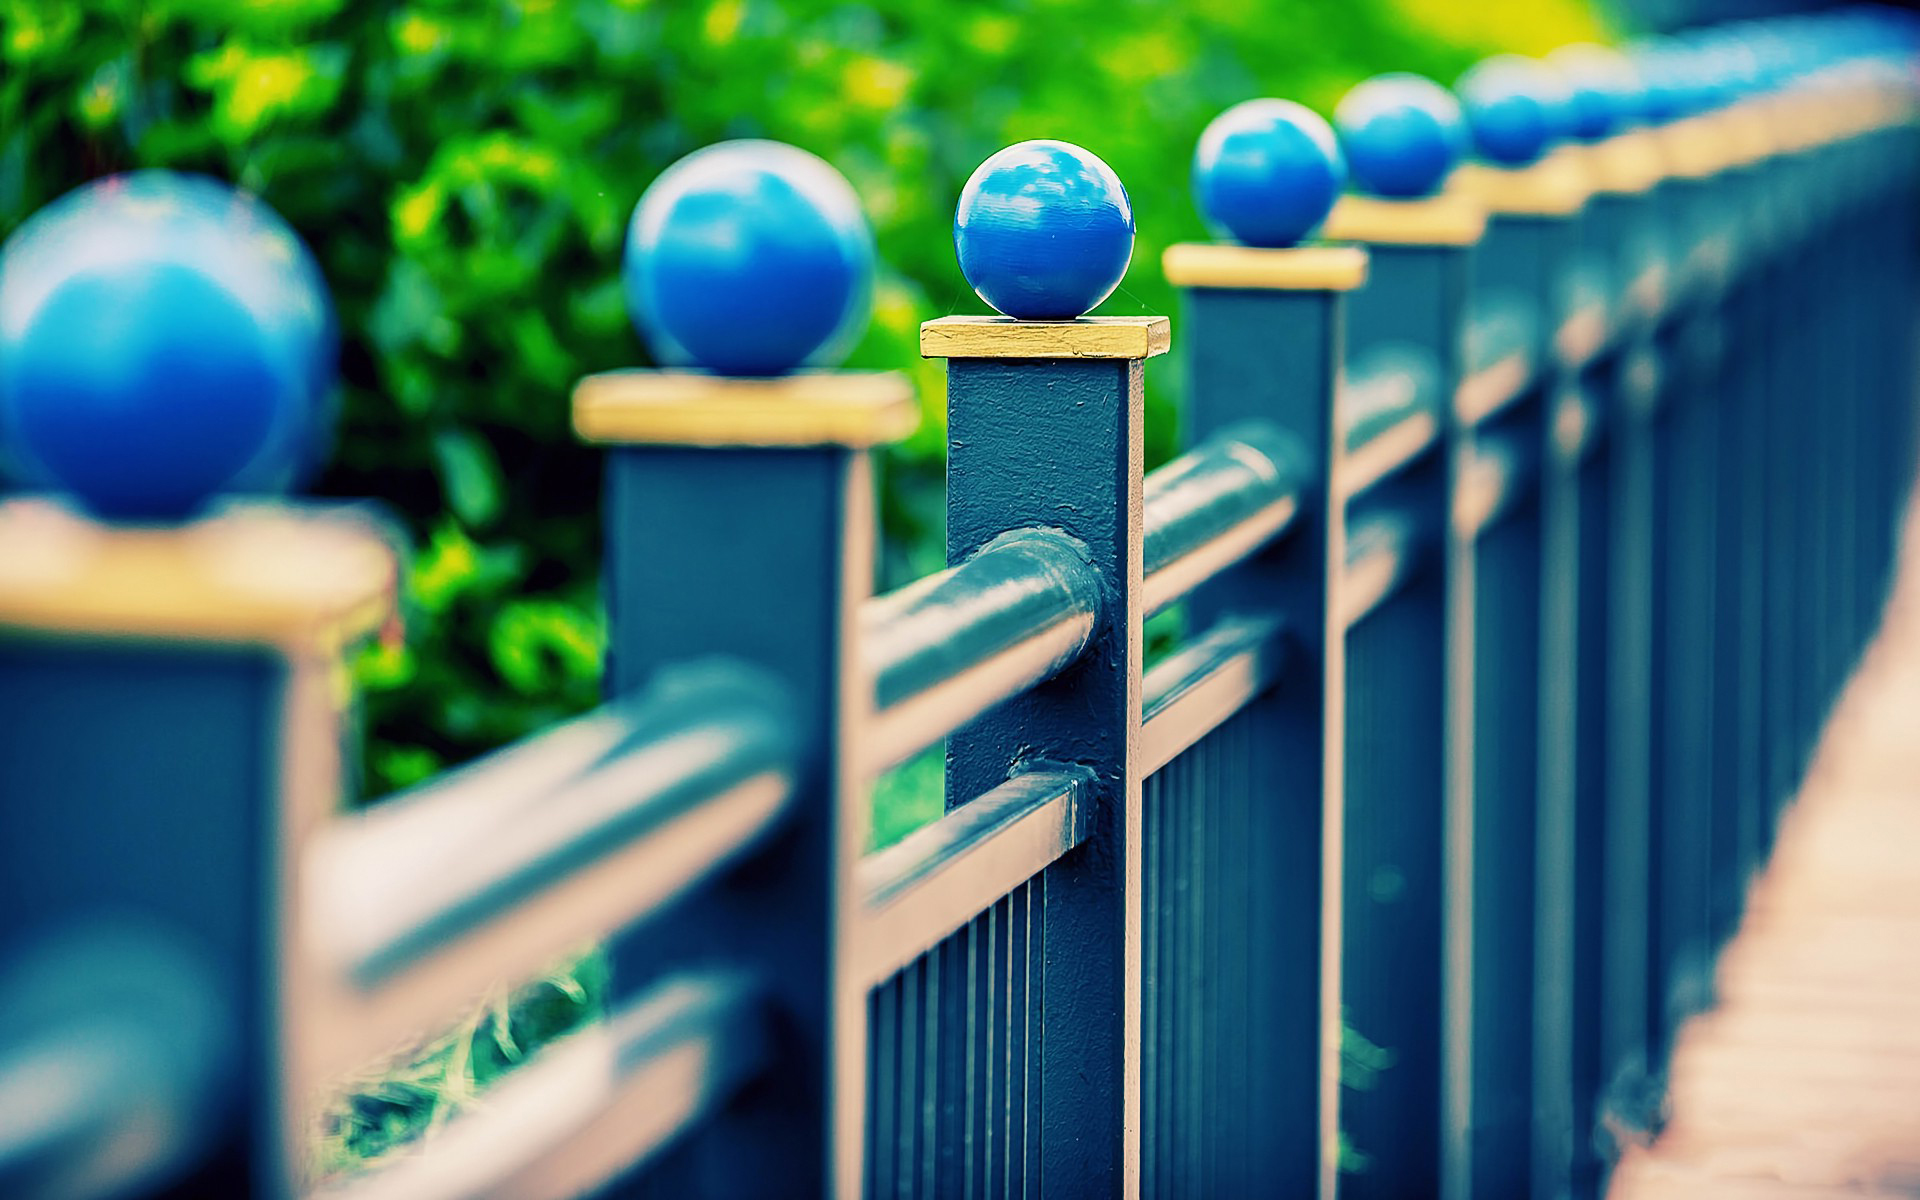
(931, 883)
(944, 650)
(1389, 414)
(1215, 505)
(1498, 350)
(590, 1107)
(416, 906)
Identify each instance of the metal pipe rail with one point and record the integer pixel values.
(949, 647)
(943, 875)
(1193, 691)
(1389, 411)
(1383, 551)
(416, 907)
(1214, 506)
(588, 1108)
(1498, 359)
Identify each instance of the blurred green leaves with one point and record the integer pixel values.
(464, 170)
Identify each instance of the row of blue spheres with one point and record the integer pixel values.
(165, 339)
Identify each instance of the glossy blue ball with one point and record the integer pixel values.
(1402, 134)
(1515, 108)
(1044, 231)
(1266, 172)
(1605, 95)
(749, 258)
(163, 339)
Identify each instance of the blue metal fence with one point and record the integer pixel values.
(1528, 531)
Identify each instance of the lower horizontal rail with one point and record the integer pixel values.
(590, 1107)
(1192, 692)
(1382, 551)
(943, 875)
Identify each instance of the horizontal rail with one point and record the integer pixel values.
(1215, 505)
(591, 1106)
(950, 647)
(1192, 692)
(1499, 364)
(1383, 550)
(1389, 413)
(417, 906)
(1584, 327)
(923, 888)
(1492, 473)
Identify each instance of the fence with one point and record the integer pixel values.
(1527, 531)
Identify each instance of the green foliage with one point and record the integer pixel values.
(464, 170)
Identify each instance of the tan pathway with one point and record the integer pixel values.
(1804, 1081)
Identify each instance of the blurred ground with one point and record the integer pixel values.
(1805, 1080)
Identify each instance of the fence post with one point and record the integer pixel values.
(1049, 435)
(171, 724)
(1264, 338)
(1410, 857)
(739, 522)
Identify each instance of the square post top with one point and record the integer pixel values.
(301, 579)
(855, 409)
(1004, 337)
(1556, 186)
(1292, 269)
(1447, 219)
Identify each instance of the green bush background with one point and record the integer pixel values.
(464, 171)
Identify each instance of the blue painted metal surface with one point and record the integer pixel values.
(1044, 231)
(749, 258)
(1515, 109)
(1266, 172)
(163, 339)
(1402, 134)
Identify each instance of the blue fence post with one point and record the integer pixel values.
(740, 522)
(1529, 254)
(1411, 860)
(170, 727)
(1264, 340)
(1044, 430)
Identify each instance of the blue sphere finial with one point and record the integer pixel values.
(749, 258)
(1604, 92)
(163, 339)
(1044, 231)
(1266, 172)
(1515, 108)
(1402, 134)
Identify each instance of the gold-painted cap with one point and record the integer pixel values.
(1626, 164)
(687, 408)
(1295, 268)
(1556, 186)
(259, 573)
(1004, 337)
(1448, 219)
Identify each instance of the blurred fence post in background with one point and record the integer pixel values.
(1263, 335)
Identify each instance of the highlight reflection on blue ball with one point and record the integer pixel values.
(163, 339)
(1604, 93)
(1044, 231)
(1514, 108)
(749, 258)
(1402, 134)
(1266, 172)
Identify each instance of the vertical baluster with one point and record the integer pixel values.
(1263, 341)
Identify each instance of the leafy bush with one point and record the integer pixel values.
(464, 170)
